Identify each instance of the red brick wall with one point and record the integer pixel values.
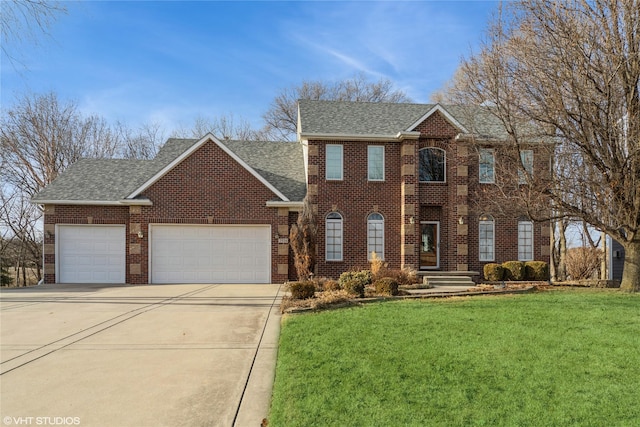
(207, 187)
(354, 197)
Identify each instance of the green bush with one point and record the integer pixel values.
(302, 290)
(514, 270)
(536, 270)
(354, 287)
(361, 276)
(493, 272)
(386, 286)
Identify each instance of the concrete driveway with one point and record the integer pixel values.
(148, 355)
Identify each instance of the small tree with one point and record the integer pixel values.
(303, 237)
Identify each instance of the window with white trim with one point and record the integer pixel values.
(333, 237)
(375, 162)
(525, 241)
(526, 157)
(486, 238)
(432, 164)
(487, 166)
(375, 235)
(334, 162)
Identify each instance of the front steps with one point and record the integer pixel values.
(448, 278)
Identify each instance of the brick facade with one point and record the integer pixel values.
(407, 203)
(208, 187)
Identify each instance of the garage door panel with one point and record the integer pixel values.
(91, 254)
(210, 254)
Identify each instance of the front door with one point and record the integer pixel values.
(429, 244)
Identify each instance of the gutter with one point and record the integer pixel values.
(123, 202)
(400, 136)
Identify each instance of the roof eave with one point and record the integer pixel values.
(400, 136)
(123, 202)
(294, 206)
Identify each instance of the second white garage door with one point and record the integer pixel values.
(210, 254)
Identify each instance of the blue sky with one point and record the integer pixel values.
(168, 62)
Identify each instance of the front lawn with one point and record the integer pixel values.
(553, 358)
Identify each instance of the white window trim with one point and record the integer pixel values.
(493, 157)
(493, 240)
(380, 254)
(532, 242)
(444, 166)
(327, 162)
(326, 237)
(528, 166)
(369, 147)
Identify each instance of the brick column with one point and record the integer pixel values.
(136, 264)
(49, 244)
(460, 215)
(409, 205)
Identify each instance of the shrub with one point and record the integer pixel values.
(331, 285)
(493, 272)
(378, 267)
(386, 286)
(536, 270)
(361, 276)
(513, 270)
(302, 290)
(354, 287)
(404, 276)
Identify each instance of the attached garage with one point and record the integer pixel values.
(91, 253)
(210, 254)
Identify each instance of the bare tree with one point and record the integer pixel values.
(303, 237)
(140, 143)
(223, 127)
(24, 21)
(569, 72)
(282, 116)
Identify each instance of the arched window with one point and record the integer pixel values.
(486, 238)
(375, 235)
(432, 165)
(333, 237)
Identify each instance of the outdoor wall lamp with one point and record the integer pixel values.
(411, 220)
(277, 236)
(48, 233)
(140, 235)
(460, 220)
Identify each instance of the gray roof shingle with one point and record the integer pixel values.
(379, 118)
(111, 180)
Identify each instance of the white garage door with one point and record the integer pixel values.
(210, 254)
(91, 253)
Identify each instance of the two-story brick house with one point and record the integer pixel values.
(402, 180)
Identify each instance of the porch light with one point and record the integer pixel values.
(140, 235)
(461, 220)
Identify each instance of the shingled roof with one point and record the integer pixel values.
(380, 118)
(111, 181)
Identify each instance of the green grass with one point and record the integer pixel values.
(557, 358)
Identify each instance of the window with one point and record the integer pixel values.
(375, 235)
(432, 165)
(333, 237)
(487, 166)
(525, 241)
(375, 156)
(526, 157)
(334, 162)
(486, 238)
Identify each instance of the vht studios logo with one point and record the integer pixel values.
(41, 421)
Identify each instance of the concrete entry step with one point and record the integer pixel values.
(448, 278)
